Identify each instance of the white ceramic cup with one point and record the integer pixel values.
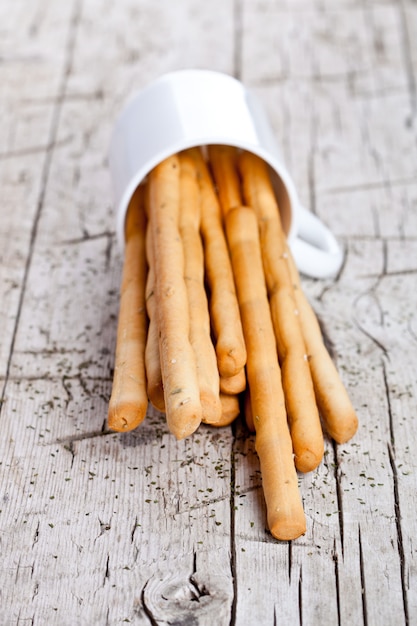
(191, 108)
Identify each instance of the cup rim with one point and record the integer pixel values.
(277, 166)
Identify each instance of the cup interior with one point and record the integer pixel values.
(191, 108)
(280, 189)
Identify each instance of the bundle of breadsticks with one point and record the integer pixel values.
(213, 318)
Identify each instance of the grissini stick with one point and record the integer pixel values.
(155, 387)
(233, 384)
(223, 163)
(224, 310)
(286, 519)
(303, 415)
(129, 401)
(200, 337)
(230, 409)
(178, 364)
(337, 412)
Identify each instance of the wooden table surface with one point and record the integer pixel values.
(103, 528)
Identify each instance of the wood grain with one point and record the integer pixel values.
(107, 528)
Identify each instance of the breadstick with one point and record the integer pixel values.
(179, 371)
(230, 409)
(224, 167)
(304, 419)
(155, 388)
(338, 414)
(233, 384)
(129, 400)
(285, 513)
(224, 309)
(200, 338)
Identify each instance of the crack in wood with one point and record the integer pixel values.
(370, 186)
(36, 535)
(393, 273)
(335, 557)
(134, 529)
(237, 38)
(65, 441)
(339, 496)
(53, 134)
(390, 415)
(200, 588)
(108, 254)
(300, 597)
(201, 505)
(106, 577)
(52, 379)
(67, 388)
(30, 621)
(99, 95)
(267, 538)
(363, 579)
(233, 567)
(407, 49)
(86, 237)
(12, 154)
(35, 591)
(148, 613)
(400, 543)
(104, 527)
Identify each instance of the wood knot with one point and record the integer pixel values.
(187, 597)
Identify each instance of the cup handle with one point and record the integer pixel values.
(315, 250)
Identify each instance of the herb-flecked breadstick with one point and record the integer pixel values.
(233, 384)
(178, 364)
(129, 400)
(155, 386)
(223, 163)
(200, 337)
(285, 513)
(305, 426)
(336, 409)
(224, 309)
(230, 409)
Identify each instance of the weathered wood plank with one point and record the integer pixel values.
(97, 527)
(32, 53)
(56, 449)
(139, 510)
(336, 83)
